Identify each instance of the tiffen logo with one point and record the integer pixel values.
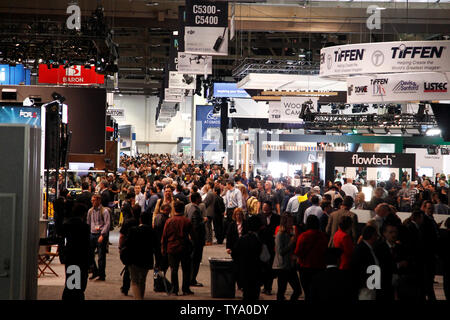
(378, 86)
(402, 52)
(371, 161)
(27, 114)
(435, 87)
(73, 71)
(349, 55)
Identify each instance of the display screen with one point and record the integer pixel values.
(17, 114)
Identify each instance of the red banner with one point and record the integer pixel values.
(71, 75)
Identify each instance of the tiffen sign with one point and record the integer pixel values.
(72, 75)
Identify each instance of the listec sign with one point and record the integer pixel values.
(70, 75)
(368, 160)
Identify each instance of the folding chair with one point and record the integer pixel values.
(46, 257)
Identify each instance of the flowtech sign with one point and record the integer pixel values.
(385, 57)
(76, 75)
(398, 87)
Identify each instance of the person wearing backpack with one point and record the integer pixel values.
(219, 210)
(252, 203)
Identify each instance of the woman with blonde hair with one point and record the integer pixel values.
(245, 196)
(236, 230)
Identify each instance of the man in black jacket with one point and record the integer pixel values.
(269, 222)
(363, 257)
(85, 197)
(393, 261)
(331, 284)
(194, 213)
(246, 260)
(74, 251)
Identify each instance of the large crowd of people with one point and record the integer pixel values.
(309, 238)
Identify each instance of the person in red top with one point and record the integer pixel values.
(176, 244)
(310, 250)
(343, 240)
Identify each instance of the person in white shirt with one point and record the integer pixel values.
(292, 206)
(315, 209)
(350, 189)
(139, 198)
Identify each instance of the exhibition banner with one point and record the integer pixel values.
(398, 87)
(71, 75)
(288, 109)
(385, 57)
(20, 115)
(206, 29)
(173, 53)
(179, 80)
(173, 95)
(207, 133)
(194, 63)
(116, 113)
(229, 90)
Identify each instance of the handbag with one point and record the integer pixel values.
(160, 282)
(265, 255)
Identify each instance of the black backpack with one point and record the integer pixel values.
(219, 205)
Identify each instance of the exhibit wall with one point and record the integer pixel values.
(140, 112)
(86, 109)
(440, 163)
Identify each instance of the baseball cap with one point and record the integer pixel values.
(110, 174)
(317, 188)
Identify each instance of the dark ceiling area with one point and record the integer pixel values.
(135, 35)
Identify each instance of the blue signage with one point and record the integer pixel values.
(14, 75)
(229, 90)
(21, 115)
(208, 135)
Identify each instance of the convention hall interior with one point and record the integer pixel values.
(225, 150)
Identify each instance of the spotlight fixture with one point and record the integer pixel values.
(232, 107)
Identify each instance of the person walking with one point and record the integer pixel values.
(99, 223)
(176, 244)
(284, 261)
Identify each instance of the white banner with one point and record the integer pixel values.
(398, 87)
(194, 63)
(206, 41)
(385, 57)
(181, 81)
(288, 109)
(116, 113)
(173, 95)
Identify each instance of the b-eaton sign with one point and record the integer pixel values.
(75, 75)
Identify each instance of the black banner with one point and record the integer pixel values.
(181, 24)
(206, 14)
(368, 160)
(173, 52)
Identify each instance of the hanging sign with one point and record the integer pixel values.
(288, 109)
(179, 80)
(206, 30)
(72, 75)
(194, 63)
(385, 57)
(173, 95)
(398, 87)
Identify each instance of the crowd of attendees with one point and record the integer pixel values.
(309, 238)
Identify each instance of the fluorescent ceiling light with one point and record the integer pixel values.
(433, 132)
